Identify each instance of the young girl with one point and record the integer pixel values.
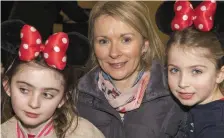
(195, 74)
(40, 87)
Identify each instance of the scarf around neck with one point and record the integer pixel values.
(44, 131)
(127, 100)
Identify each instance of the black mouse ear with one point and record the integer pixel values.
(79, 49)
(219, 22)
(10, 33)
(164, 15)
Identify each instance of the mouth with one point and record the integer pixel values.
(185, 95)
(31, 115)
(117, 65)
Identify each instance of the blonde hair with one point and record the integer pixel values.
(192, 38)
(136, 14)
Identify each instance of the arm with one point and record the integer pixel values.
(98, 118)
(175, 122)
(212, 132)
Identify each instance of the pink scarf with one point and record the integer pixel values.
(124, 101)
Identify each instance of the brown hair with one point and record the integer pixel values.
(136, 14)
(64, 116)
(192, 38)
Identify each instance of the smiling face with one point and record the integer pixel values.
(35, 93)
(118, 48)
(192, 77)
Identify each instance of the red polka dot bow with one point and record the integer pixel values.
(201, 16)
(54, 50)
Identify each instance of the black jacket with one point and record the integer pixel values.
(158, 116)
(207, 121)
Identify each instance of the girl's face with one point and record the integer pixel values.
(35, 94)
(192, 77)
(118, 48)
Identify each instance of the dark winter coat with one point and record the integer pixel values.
(158, 116)
(207, 121)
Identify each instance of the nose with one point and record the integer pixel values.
(183, 83)
(34, 101)
(114, 51)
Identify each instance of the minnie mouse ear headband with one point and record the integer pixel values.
(79, 49)
(206, 16)
(53, 50)
(30, 45)
(10, 31)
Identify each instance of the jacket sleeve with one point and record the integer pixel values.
(213, 132)
(87, 110)
(175, 122)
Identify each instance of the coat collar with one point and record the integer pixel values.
(157, 86)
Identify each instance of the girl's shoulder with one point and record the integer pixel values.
(8, 128)
(82, 128)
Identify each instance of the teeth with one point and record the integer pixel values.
(117, 65)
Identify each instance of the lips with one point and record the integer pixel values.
(31, 115)
(185, 96)
(117, 65)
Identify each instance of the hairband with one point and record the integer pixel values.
(201, 16)
(54, 49)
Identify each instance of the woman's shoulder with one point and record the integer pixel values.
(82, 128)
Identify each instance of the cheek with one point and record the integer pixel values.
(17, 99)
(18, 104)
(133, 51)
(205, 83)
(100, 53)
(172, 81)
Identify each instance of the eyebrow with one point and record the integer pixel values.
(127, 34)
(25, 83)
(51, 89)
(33, 86)
(190, 66)
(120, 35)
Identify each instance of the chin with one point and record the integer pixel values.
(117, 75)
(188, 102)
(117, 78)
(31, 123)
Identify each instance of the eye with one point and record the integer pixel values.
(196, 71)
(173, 70)
(24, 90)
(103, 41)
(48, 95)
(126, 40)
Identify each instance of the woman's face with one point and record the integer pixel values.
(118, 48)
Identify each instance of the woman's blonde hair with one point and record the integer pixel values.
(136, 14)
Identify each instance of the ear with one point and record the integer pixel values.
(6, 86)
(145, 46)
(61, 103)
(220, 76)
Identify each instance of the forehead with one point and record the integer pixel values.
(110, 25)
(184, 56)
(38, 76)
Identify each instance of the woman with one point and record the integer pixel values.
(125, 95)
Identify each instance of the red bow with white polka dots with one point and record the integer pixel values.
(201, 16)
(54, 50)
